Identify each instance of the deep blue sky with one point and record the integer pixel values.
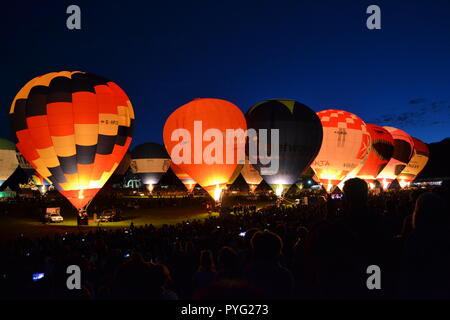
(165, 53)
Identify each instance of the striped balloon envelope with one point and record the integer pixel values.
(74, 129)
(403, 151)
(345, 147)
(188, 182)
(417, 163)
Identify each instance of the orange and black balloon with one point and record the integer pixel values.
(74, 128)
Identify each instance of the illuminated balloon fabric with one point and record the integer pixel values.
(380, 153)
(73, 128)
(346, 143)
(250, 174)
(403, 149)
(32, 174)
(8, 160)
(150, 161)
(417, 163)
(300, 138)
(213, 114)
(188, 182)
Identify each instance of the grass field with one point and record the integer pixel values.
(11, 227)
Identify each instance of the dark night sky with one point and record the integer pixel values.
(166, 53)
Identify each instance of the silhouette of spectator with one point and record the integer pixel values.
(229, 290)
(265, 271)
(206, 272)
(338, 252)
(228, 264)
(426, 260)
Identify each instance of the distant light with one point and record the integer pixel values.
(38, 276)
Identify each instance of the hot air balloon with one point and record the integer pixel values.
(403, 150)
(346, 144)
(206, 140)
(251, 175)
(33, 177)
(417, 163)
(41, 183)
(74, 129)
(150, 161)
(188, 182)
(379, 155)
(8, 160)
(299, 140)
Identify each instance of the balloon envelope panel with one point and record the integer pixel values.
(417, 163)
(74, 129)
(250, 174)
(403, 149)
(380, 153)
(346, 144)
(150, 161)
(8, 159)
(300, 138)
(188, 182)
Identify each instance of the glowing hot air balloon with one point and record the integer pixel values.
(417, 163)
(74, 129)
(150, 161)
(251, 175)
(379, 155)
(188, 182)
(346, 144)
(206, 140)
(41, 183)
(8, 160)
(288, 136)
(403, 150)
(34, 177)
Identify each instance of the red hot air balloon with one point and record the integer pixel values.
(417, 163)
(188, 182)
(379, 155)
(200, 138)
(403, 150)
(74, 129)
(345, 146)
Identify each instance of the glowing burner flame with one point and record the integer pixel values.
(150, 187)
(279, 190)
(80, 194)
(403, 183)
(329, 187)
(252, 188)
(385, 184)
(42, 189)
(371, 185)
(217, 193)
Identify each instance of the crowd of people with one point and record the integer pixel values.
(321, 250)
